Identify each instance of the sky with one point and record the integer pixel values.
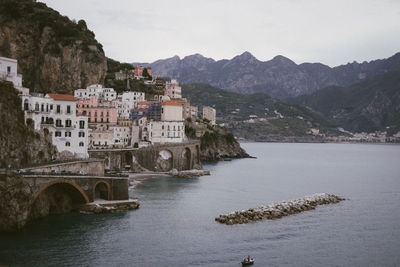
(332, 32)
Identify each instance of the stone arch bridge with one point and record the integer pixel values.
(82, 189)
(165, 157)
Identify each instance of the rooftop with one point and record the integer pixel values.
(170, 103)
(62, 97)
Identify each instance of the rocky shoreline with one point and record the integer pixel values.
(278, 210)
(108, 206)
(188, 173)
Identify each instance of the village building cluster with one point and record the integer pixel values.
(99, 118)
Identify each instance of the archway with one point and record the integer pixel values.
(165, 160)
(57, 197)
(128, 160)
(198, 154)
(186, 159)
(101, 190)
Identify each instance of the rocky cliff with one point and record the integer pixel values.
(216, 142)
(54, 53)
(279, 77)
(16, 198)
(20, 145)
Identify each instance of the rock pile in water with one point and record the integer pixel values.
(278, 210)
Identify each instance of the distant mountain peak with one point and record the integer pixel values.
(246, 55)
(282, 59)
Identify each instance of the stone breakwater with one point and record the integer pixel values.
(278, 210)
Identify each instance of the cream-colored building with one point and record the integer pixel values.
(166, 131)
(171, 111)
(209, 113)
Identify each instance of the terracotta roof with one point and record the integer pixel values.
(145, 102)
(62, 97)
(170, 103)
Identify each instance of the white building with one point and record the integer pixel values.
(57, 113)
(9, 72)
(171, 128)
(107, 94)
(121, 136)
(166, 131)
(173, 90)
(126, 102)
(209, 113)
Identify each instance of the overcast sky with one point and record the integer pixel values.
(332, 32)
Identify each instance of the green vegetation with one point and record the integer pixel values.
(278, 118)
(368, 106)
(120, 86)
(64, 31)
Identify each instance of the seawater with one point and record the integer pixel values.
(175, 223)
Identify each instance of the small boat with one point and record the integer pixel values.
(247, 261)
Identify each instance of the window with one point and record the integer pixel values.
(36, 107)
(67, 144)
(58, 109)
(162, 134)
(68, 109)
(162, 127)
(51, 107)
(67, 134)
(68, 123)
(81, 134)
(8, 69)
(42, 119)
(42, 107)
(81, 124)
(58, 123)
(81, 144)
(57, 133)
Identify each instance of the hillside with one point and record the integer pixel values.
(258, 116)
(19, 144)
(54, 53)
(279, 77)
(368, 106)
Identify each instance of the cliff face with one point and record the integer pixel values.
(15, 202)
(20, 145)
(54, 54)
(216, 142)
(279, 77)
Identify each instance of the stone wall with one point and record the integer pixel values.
(93, 167)
(162, 158)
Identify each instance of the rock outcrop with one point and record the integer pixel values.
(278, 210)
(54, 53)
(15, 202)
(216, 142)
(20, 145)
(189, 173)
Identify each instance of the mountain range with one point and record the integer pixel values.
(368, 106)
(279, 77)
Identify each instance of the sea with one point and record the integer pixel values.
(175, 225)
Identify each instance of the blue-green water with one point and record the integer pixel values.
(175, 224)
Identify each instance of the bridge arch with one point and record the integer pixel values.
(102, 190)
(61, 181)
(165, 160)
(186, 159)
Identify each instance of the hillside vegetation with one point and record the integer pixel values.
(54, 53)
(257, 116)
(368, 106)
